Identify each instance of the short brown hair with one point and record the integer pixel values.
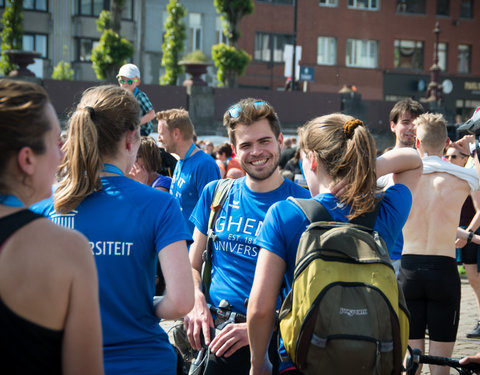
(249, 111)
(177, 118)
(151, 155)
(406, 105)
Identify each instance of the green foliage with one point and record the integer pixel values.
(111, 52)
(195, 56)
(173, 42)
(230, 62)
(232, 12)
(63, 72)
(12, 32)
(104, 21)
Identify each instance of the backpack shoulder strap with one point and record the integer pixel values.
(11, 223)
(219, 196)
(315, 211)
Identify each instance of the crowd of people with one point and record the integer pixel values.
(124, 246)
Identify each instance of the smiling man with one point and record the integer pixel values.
(401, 121)
(254, 131)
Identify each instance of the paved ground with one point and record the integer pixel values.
(468, 316)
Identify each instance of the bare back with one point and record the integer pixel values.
(433, 220)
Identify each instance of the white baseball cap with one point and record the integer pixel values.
(129, 71)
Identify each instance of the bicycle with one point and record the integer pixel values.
(416, 357)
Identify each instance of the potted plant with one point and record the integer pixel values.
(196, 64)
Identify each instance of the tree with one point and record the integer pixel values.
(12, 32)
(112, 51)
(63, 71)
(231, 61)
(173, 42)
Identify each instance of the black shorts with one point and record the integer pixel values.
(431, 286)
(470, 253)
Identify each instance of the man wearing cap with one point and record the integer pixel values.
(129, 79)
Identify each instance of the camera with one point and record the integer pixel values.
(472, 126)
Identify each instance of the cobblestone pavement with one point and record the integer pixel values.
(468, 316)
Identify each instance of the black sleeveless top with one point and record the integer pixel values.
(25, 347)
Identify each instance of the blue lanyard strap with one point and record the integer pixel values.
(110, 168)
(189, 152)
(10, 200)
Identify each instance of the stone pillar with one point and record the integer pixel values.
(201, 107)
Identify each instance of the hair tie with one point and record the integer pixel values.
(91, 111)
(350, 126)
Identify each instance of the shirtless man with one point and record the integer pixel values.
(428, 273)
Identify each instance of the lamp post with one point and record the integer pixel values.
(434, 89)
(294, 70)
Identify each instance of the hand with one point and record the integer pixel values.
(197, 321)
(462, 144)
(139, 173)
(339, 188)
(229, 340)
(471, 359)
(460, 242)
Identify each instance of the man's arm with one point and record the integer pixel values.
(261, 308)
(149, 116)
(199, 319)
(405, 164)
(475, 222)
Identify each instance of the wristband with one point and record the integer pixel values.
(470, 236)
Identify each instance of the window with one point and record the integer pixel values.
(221, 38)
(94, 7)
(466, 9)
(84, 49)
(288, 2)
(443, 7)
(464, 51)
(363, 4)
(361, 53)
(36, 42)
(442, 56)
(327, 50)
(408, 54)
(411, 6)
(269, 47)
(40, 5)
(194, 32)
(328, 3)
(2, 3)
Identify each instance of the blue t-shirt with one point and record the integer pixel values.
(189, 178)
(127, 224)
(234, 255)
(285, 222)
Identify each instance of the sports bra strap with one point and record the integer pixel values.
(11, 223)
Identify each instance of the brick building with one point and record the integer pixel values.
(384, 48)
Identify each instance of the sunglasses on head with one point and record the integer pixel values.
(128, 81)
(236, 110)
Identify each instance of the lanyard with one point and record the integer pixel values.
(110, 168)
(178, 169)
(10, 200)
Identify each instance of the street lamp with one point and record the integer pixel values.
(434, 89)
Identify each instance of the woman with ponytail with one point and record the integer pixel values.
(49, 313)
(338, 160)
(129, 226)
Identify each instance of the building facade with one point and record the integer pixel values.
(382, 48)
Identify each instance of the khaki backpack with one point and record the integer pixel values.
(345, 313)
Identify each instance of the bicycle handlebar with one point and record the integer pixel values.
(228, 315)
(416, 357)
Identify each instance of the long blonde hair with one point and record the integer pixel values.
(347, 151)
(103, 116)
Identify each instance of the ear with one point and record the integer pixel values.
(313, 161)
(177, 134)
(130, 139)
(26, 160)
(417, 143)
(280, 140)
(392, 126)
(138, 82)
